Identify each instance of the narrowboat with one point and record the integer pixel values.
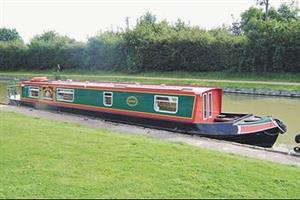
(187, 109)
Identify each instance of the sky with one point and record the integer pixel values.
(80, 19)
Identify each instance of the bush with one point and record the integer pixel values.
(253, 45)
(12, 55)
(105, 52)
(48, 50)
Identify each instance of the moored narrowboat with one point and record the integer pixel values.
(187, 109)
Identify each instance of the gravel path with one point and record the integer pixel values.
(279, 155)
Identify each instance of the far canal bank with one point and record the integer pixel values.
(265, 92)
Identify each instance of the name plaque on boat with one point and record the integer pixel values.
(132, 101)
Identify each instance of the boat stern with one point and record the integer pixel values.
(254, 124)
(260, 131)
(14, 93)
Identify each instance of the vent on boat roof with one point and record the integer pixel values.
(120, 85)
(86, 83)
(187, 89)
(163, 84)
(39, 79)
(69, 80)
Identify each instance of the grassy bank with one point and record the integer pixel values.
(224, 80)
(42, 158)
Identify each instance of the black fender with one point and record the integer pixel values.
(297, 138)
(281, 125)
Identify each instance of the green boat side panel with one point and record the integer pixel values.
(145, 101)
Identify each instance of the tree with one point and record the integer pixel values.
(12, 54)
(105, 51)
(47, 50)
(250, 17)
(235, 27)
(148, 18)
(52, 36)
(9, 35)
(288, 12)
(266, 4)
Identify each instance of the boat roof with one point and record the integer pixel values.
(124, 86)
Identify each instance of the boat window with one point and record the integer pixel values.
(64, 94)
(205, 114)
(210, 104)
(34, 92)
(47, 93)
(166, 104)
(107, 98)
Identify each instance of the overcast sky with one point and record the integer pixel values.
(80, 19)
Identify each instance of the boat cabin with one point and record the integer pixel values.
(191, 104)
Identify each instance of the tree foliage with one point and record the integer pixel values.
(7, 35)
(252, 44)
(49, 49)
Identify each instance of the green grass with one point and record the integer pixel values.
(48, 159)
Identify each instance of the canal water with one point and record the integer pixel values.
(283, 108)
